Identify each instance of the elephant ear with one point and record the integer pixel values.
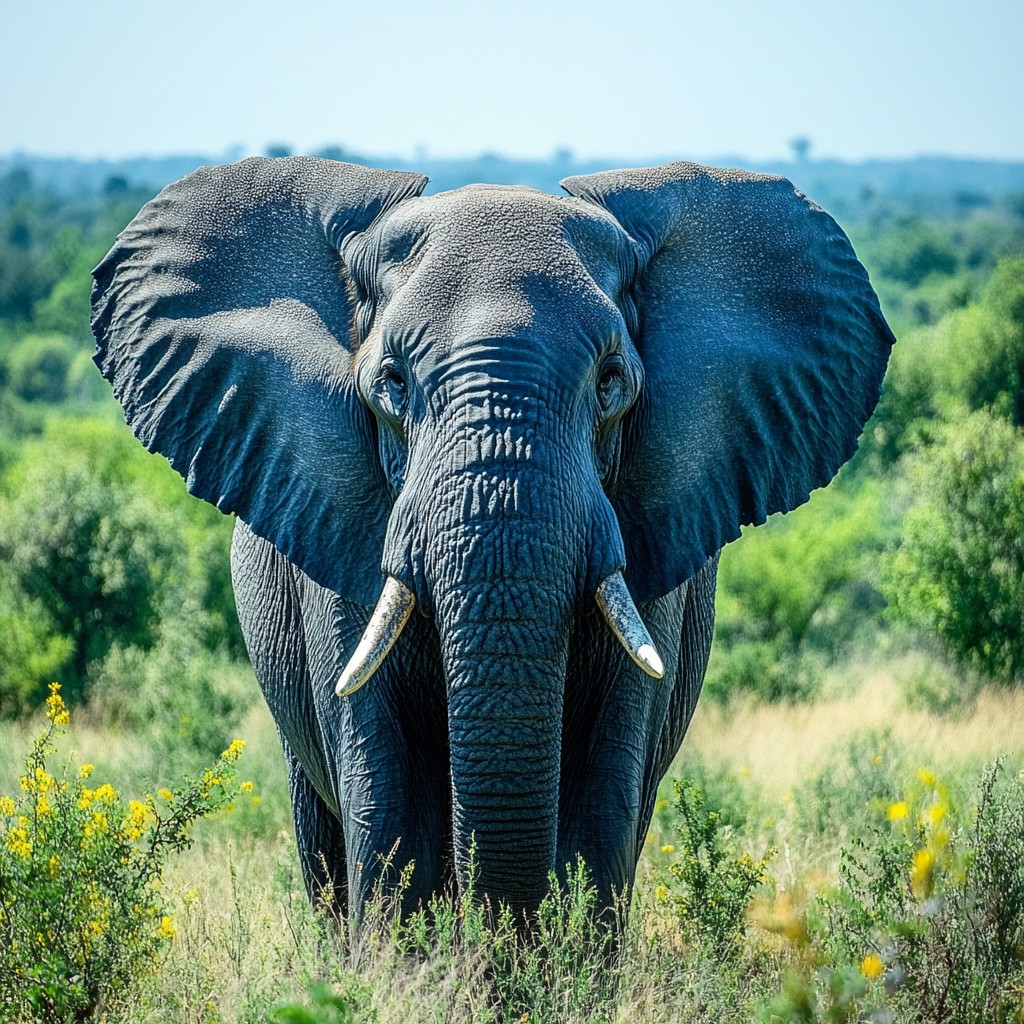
(763, 348)
(222, 320)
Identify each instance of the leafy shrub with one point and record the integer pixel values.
(101, 542)
(82, 917)
(30, 652)
(327, 1006)
(710, 886)
(941, 689)
(793, 593)
(189, 699)
(934, 903)
(926, 923)
(38, 367)
(733, 792)
(971, 359)
(844, 797)
(959, 570)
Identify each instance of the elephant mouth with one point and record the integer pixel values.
(397, 601)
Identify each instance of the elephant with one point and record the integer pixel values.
(484, 448)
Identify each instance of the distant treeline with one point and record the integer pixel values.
(934, 186)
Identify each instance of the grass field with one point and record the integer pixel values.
(797, 785)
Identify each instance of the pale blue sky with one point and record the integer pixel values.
(633, 80)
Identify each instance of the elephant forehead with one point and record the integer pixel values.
(501, 261)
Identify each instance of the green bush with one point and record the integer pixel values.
(188, 699)
(94, 556)
(793, 594)
(958, 572)
(971, 359)
(709, 886)
(101, 542)
(82, 914)
(932, 903)
(39, 367)
(844, 797)
(941, 689)
(31, 652)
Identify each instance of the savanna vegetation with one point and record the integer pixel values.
(842, 838)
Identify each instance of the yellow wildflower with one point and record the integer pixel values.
(85, 798)
(922, 873)
(95, 825)
(936, 813)
(19, 843)
(56, 710)
(927, 777)
(668, 848)
(898, 811)
(872, 967)
(43, 807)
(255, 800)
(86, 770)
(6, 806)
(106, 793)
(53, 865)
(246, 787)
(234, 751)
(661, 893)
(139, 815)
(165, 794)
(167, 929)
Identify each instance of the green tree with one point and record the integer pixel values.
(101, 548)
(38, 367)
(92, 555)
(958, 572)
(799, 585)
(973, 358)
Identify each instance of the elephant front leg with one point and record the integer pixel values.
(612, 747)
(390, 744)
(321, 842)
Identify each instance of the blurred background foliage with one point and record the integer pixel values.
(114, 581)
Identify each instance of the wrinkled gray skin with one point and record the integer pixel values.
(499, 398)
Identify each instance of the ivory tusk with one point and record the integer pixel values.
(621, 615)
(385, 626)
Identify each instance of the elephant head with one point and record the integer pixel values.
(498, 406)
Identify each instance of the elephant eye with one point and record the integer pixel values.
(391, 389)
(611, 384)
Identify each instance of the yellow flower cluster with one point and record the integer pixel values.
(137, 820)
(56, 710)
(872, 967)
(234, 751)
(928, 828)
(18, 840)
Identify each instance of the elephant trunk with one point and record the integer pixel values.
(501, 541)
(504, 645)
